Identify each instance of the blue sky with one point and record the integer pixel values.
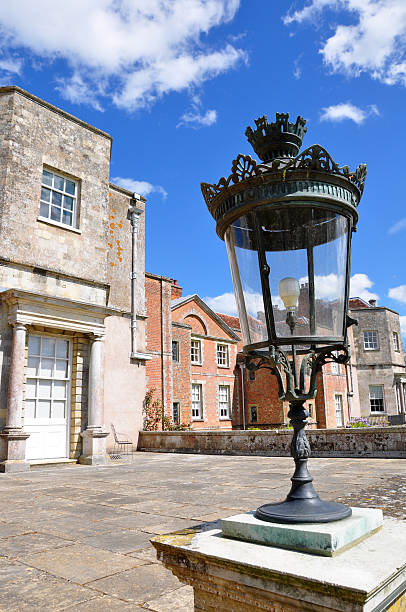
(176, 82)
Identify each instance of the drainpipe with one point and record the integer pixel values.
(134, 216)
(243, 395)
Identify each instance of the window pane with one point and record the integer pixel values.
(61, 348)
(48, 347)
(45, 194)
(44, 388)
(47, 366)
(70, 187)
(47, 177)
(56, 198)
(67, 218)
(55, 213)
(43, 409)
(58, 410)
(58, 182)
(68, 202)
(34, 343)
(32, 366)
(61, 369)
(29, 409)
(44, 210)
(59, 389)
(30, 388)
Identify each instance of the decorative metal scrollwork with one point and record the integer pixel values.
(313, 158)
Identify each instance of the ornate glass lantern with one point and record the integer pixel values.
(287, 223)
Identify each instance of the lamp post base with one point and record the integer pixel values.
(294, 511)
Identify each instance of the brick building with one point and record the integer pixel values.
(194, 353)
(69, 242)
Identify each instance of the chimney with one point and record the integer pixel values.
(372, 302)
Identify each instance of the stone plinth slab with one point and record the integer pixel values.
(229, 574)
(317, 538)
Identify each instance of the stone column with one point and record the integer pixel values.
(13, 438)
(94, 437)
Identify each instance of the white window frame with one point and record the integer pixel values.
(395, 340)
(197, 387)
(64, 194)
(224, 405)
(339, 409)
(368, 340)
(196, 355)
(223, 355)
(377, 398)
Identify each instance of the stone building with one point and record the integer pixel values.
(193, 356)
(72, 332)
(380, 360)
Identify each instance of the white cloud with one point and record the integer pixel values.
(398, 226)
(403, 325)
(375, 44)
(132, 51)
(11, 65)
(359, 287)
(346, 110)
(196, 119)
(224, 303)
(398, 293)
(142, 187)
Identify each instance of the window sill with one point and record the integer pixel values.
(223, 367)
(197, 419)
(57, 224)
(370, 349)
(196, 363)
(225, 418)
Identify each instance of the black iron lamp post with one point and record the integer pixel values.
(287, 223)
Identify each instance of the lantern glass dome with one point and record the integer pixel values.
(290, 268)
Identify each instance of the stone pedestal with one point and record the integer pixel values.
(94, 437)
(232, 575)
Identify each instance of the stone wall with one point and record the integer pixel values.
(362, 442)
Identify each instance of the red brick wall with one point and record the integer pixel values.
(182, 372)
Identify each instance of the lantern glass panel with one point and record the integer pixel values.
(243, 257)
(305, 247)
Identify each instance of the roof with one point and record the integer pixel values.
(195, 298)
(357, 302)
(233, 322)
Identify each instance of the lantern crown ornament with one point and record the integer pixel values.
(277, 139)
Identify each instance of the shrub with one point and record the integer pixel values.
(358, 422)
(155, 418)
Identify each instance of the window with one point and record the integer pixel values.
(175, 350)
(176, 413)
(376, 398)
(335, 367)
(371, 340)
(223, 356)
(253, 414)
(197, 402)
(58, 199)
(395, 339)
(196, 351)
(224, 401)
(310, 410)
(48, 377)
(338, 408)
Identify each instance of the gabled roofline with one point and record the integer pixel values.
(208, 311)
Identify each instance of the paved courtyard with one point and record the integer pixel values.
(77, 538)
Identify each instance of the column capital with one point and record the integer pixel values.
(97, 336)
(18, 325)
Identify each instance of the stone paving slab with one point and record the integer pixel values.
(82, 533)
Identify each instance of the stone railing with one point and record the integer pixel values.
(362, 442)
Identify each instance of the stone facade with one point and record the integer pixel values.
(66, 280)
(380, 360)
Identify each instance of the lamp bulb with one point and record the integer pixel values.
(289, 291)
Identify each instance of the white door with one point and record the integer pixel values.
(47, 391)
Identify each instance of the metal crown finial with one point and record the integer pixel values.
(276, 140)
